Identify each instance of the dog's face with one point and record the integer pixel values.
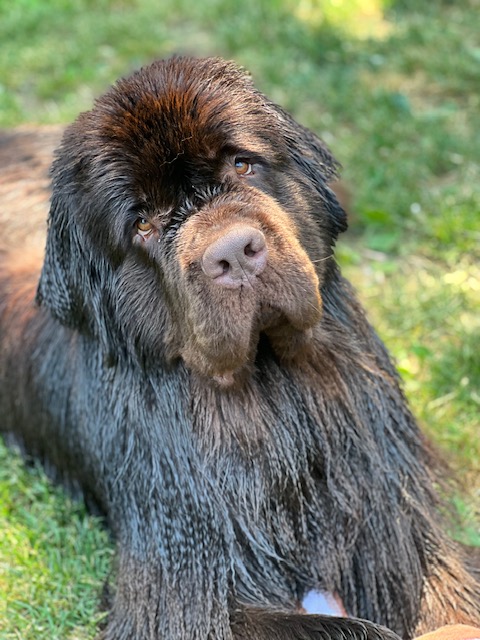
(191, 216)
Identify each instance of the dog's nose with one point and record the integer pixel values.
(236, 257)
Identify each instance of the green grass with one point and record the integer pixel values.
(394, 91)
(53, 559)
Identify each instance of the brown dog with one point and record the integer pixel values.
(196, 365)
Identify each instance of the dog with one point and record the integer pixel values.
(193, 362)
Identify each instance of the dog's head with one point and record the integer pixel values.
(190, 216)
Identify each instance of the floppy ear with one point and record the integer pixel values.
(74, 280)
(59, 288)
(317, 164)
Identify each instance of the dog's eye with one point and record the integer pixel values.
(243, 168)
(144, 227)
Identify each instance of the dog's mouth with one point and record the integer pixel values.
(226, 348)
(225, 324)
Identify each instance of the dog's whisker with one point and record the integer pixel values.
(323, 259)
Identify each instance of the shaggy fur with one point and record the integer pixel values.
(246, 436)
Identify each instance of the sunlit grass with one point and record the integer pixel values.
(357, 18)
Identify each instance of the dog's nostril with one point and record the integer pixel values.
(225, 266)
(249, 252)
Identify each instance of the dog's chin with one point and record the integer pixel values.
(225, 351)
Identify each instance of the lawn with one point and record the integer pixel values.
(394, 90)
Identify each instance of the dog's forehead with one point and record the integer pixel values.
(184, 106)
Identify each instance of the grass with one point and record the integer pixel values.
(53, 559)
(393, 89)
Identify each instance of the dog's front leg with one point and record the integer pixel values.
(173, 544)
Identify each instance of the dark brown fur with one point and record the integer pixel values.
(246, 445)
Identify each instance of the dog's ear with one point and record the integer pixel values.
(58, 287)
(316, 162)
(69, 284)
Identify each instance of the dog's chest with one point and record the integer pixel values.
(259, 452)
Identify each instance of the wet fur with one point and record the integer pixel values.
(245, 448)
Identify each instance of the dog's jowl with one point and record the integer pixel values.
(191, 358)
